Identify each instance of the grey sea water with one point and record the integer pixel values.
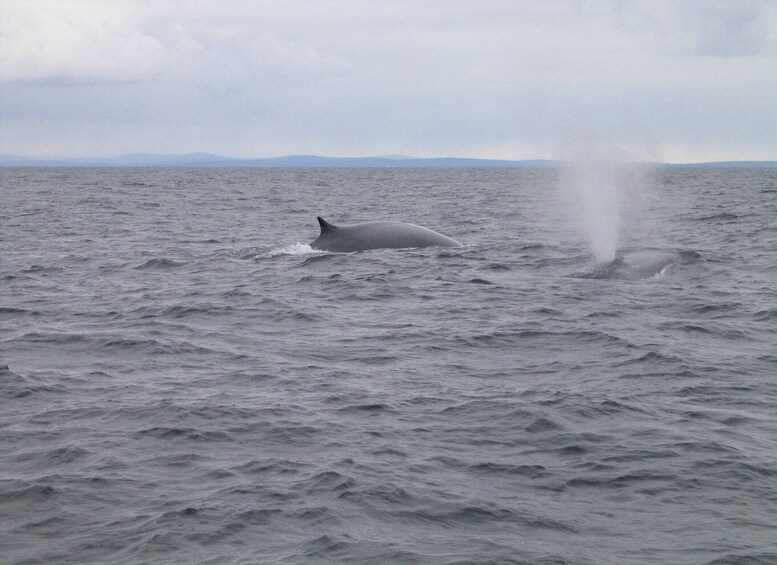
(184, 381)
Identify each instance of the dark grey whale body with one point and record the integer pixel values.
(377, 235)
(632, 266)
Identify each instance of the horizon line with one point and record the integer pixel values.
(302, 160)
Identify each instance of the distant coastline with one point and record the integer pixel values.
(207, 160)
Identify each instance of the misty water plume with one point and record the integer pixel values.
(602, 187)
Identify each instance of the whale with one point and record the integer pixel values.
(377, 235)
(632, 266)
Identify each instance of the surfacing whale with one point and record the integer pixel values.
(377, 235)
(632, 266)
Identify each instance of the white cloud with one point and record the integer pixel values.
(81, 41)
(502, 78)
(89, 42)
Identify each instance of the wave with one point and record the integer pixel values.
(721, 217)
(745, 557)
(43, 269)
(15, 385)
(765, 315)
(62, 455)
(25, 491)
(12, 312)
(510, 469)
(180, 311)
(159, 263)
(190, 434)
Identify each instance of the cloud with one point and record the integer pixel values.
(85, 42)
(710, 28)
(504, 78)
(729, 30)
(199, 46)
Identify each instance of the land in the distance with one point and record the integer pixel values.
(315, 161)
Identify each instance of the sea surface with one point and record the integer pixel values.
(184, 380)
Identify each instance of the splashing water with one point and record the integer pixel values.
(294, 249)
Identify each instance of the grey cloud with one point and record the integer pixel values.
(708, 28)
(503, 79)
(730, 30)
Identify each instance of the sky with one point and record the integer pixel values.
(672, 81)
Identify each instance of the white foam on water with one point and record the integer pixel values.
(294, 249)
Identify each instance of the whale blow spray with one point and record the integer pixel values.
(602, 187)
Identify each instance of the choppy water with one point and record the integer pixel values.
(184, 381)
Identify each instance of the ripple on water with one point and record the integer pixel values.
(190, 385)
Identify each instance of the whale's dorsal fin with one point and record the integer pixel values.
(325, 226)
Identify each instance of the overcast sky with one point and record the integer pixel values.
(685, 81)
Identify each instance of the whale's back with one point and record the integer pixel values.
(378, 235)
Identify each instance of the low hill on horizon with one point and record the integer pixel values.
(316, 161)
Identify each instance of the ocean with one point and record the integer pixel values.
(184, 380)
